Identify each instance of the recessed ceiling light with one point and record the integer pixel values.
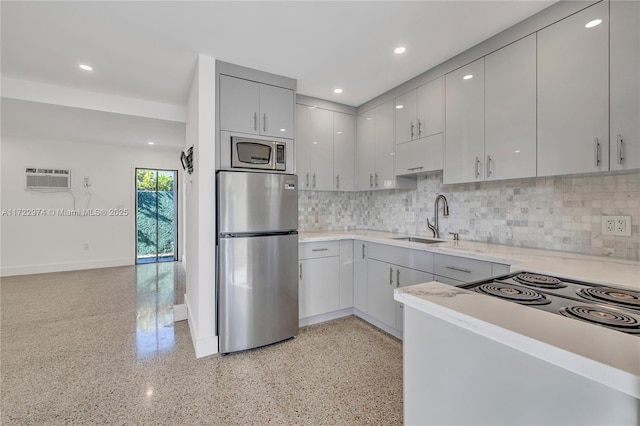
(468, 77)
(283, 130)
(315, 143)
(399, 50)
(399, 106)
(337, 90)
(339, 133)
(85, 67)
(593, 23)
(151, 143)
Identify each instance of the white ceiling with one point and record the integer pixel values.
(148, 49)
(36, 120)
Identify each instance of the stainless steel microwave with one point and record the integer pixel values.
(248, 153)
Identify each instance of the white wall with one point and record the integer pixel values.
(200, 209)
(56, 243)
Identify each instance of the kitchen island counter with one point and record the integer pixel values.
(528, 350)
(596, 269)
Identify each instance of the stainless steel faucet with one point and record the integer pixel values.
(445, 212)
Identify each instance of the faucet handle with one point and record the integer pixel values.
(456, 236)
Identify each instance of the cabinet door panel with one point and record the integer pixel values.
(430, 105)
(276, 111)
(303, 140)
(510, 111)
(384, 146)
(405, 112)
(319, 287)
(625, 85)
(380, 292)
(418, 156)
(405, 277)
(239, 105)
(344, 144)
(321, 149)
(573, 94)
(360, 276)
(365, 150)
(346, 274)
(464, 125)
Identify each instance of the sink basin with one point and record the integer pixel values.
(419, 240)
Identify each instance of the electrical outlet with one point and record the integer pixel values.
(409, 217)
(616, 225)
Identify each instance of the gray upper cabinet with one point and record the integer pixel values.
(344, 144)
(255, 108)
(314, 148)
(418, 113)
(625, 84)
(406, 117)
(573, 94)
(430, 108)
(464, 126)
(384, 146)
(365, 150)
(510, 111)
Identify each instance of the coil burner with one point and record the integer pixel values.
(620, 297)
(602, 316)
(540, 281)
(513, 293)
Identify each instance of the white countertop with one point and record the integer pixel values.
(595, 269)
(608, 357)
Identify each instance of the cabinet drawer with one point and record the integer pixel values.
(461, 268)
(414, 259)
(319, 249)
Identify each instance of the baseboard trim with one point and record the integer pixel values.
(377, 323)
(203, 346)
(316, 319)
(9, 271)
(179, 312)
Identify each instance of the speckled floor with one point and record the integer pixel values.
(101, 347)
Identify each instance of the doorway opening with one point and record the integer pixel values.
(156, 215)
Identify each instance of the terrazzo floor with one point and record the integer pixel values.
(101, 347)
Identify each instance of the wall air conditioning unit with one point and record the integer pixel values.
(48, 178)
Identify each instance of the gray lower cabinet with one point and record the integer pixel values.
(388, 268)
(457, 270)
(319, 278)
(360, 276)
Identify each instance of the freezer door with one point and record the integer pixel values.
(257, 202)
(257, 291)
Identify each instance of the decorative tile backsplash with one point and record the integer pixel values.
(559, 213)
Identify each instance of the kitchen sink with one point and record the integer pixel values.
(419, 240)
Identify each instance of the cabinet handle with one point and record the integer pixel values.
(489, 166)
(414, 168)
(370, 180)
(596, 145)
(467, 271)
(376, 180)
(412, 126)
(397, 277)
(620, 149)
(363, 251)
(314, 180)
(419, 128)
(320, 249)
(255, 121)
(390, 276)
(301, 272)
(477, 167)
(264, 122)
(307, 180)
(337, 181)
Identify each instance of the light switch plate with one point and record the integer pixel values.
(616, 225)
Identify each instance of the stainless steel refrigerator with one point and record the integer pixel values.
(257, 259)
